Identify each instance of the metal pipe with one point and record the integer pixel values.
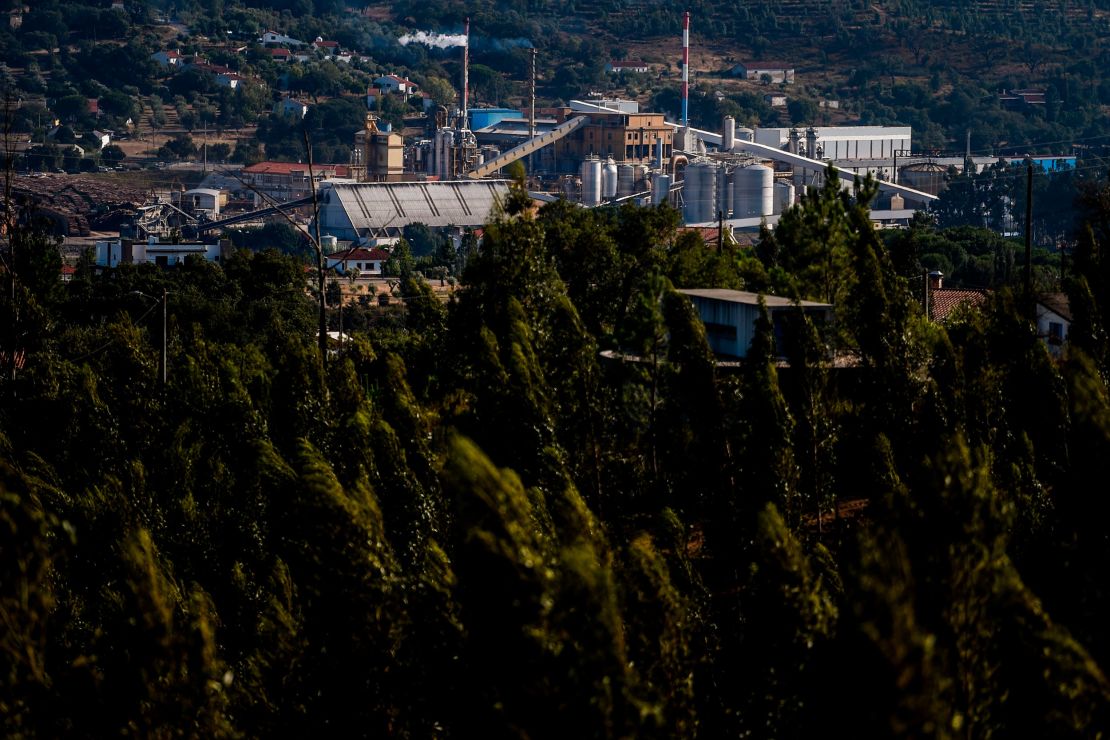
(675, 159)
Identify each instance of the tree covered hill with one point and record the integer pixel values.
(543, 509)
(939, 67)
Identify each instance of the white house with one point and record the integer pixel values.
(366, 261)
(281, 55)
(102, 138)
(328, 47)
(1053, 320)
(290, 108)
(777, 71)
(124, 251)
(167, 59)
(395, 84)
(273, 37)
(229, 79)
(729, 317)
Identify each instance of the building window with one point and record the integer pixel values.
(1055, 332)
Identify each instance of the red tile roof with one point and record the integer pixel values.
(288, 168)
(326, 44)
(280, 53)
(360, 253)
(943, 301)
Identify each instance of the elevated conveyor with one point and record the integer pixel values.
(528, 147)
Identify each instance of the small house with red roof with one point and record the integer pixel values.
(396, 84)
(366, 261)
(169, 59)
(328, 47)
(943, 301)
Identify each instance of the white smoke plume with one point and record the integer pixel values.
(437, 40)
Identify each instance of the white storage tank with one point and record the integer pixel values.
(753, 191)
(591, 181)
(728, 137)
(626, 180)
(784, 196)
(609, 179)
(699, 193)
(329, 243)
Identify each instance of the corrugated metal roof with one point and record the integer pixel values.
(381, 205)
(743, 296)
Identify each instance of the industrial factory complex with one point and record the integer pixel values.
(595, 152)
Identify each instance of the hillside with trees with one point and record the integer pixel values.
(542, 509)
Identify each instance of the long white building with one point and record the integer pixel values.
(843, 142)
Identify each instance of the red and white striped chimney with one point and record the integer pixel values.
(686, 68)
(466, 74)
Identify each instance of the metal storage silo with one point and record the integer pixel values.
(591, 181)
(609, 179)
(641, 182)
(626, 180)
(753, 191)
(660, 189)
(927, 176)
(699, 192)
(728, 137)
(784, 196)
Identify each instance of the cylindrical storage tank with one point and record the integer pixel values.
(609, 179)
(745, 134)
(699, 193)
(784, 196)
(728, 136)
(591, 181)
(329, 243)
(626, 180)
(753, 191)
(640, 181)
(660, 189)
(927, 176)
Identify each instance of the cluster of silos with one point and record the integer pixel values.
(605, 180)
(631, 179)
(744, 191)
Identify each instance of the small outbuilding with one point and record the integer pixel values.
(729, 317)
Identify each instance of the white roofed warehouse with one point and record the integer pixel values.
(353, 211)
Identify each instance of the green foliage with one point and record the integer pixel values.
(539, 506)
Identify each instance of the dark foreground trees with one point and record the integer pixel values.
(478, 523)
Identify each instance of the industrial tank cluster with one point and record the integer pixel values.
(607, 180)
(741, 189)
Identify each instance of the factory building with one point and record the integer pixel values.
(838, 142)
(360, 211)
(632, 138)
(377, 155)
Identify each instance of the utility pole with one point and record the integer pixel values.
(1029, 304)
(165, 300)
(532, 113)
